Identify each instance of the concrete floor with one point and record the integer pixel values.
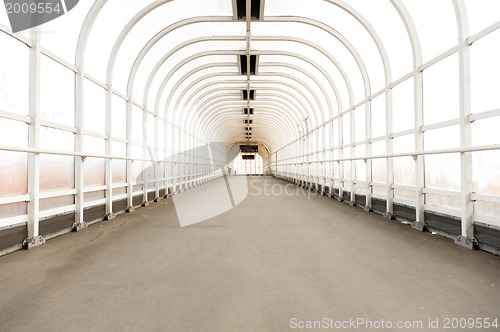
(253, 268)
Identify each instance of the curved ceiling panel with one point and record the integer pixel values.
(195, 63)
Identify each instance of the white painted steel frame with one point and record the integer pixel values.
(464, 121)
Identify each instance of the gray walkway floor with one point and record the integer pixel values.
(253, 268)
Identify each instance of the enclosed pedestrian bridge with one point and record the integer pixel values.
(194, 165)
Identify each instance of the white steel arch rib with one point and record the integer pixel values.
(99, 4)
(285, 96)
(271, 112)
(208, 53)
(238, 82)
(304, 86)
(257, 104)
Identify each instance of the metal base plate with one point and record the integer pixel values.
(79, 226)
(34, 242)
(418, 226)
(389, 215)
(464, 242)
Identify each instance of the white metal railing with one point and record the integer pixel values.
(394, 155)
(100, 156)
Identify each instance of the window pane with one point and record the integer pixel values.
(13, 75)
(485, 73)
(436, 25)
(94, 108)
(441, 94)
(482, 14)
(57, 96)
(403, 106)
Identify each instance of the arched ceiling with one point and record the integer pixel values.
(304, 62)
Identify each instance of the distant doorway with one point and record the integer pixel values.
(248, 164)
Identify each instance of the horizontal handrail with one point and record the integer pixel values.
(93, 155)
(393, 155)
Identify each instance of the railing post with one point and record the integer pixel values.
(419, 146)
(368, 161)
(79, 197)
(34, 239)
(109, 152)
(389, 213)
(130, 187)
(467, 206)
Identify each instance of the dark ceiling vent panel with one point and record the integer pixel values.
(245, 94)
(241, 10)
(256, 9)
(249, 148)
(243, 64)
(247, 111)
(253, 64)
